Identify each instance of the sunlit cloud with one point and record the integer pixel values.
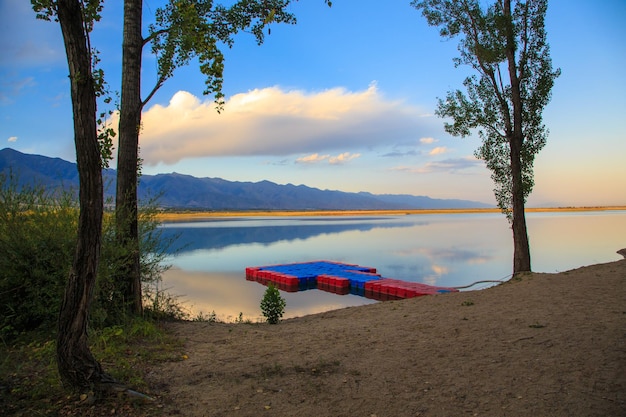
(12, 139)
(333, 160)
(275, 122)
(428, 141)
(439, 150)
(440, 269)
(312, 159)
(342, 158)
(452, 254)
(446, 165)
(438, 272)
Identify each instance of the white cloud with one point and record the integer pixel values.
(440, 269)
(333, 160)
(427, 141)
(312, 159)
(274, 122)
(439, 150)
(12, 139)
(344, 157)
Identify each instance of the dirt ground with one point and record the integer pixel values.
(546, 345)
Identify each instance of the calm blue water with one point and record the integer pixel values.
(447, 250)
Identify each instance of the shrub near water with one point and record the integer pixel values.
(37, 242)
(109, 307)
(272, 305)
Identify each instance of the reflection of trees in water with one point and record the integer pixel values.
(193, 238)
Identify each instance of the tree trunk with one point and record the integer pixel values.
(77, 366)
(521, 248)
(129, 280)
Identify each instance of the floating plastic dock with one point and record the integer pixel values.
(339, 278)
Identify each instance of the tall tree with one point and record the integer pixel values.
(507, 48)
(128, 282)
(77, 366)
(184, 30)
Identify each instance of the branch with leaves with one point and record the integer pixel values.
(197, 29)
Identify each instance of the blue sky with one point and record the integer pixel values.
(343, 100)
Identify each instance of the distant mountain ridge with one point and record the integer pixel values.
(179, 191)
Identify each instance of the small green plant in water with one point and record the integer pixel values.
(272, 305)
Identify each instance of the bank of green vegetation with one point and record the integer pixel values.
(37, 243)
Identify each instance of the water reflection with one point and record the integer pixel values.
(228, 294)
(444, 250)
(267, 230)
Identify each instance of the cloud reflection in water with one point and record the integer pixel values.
(445, 250)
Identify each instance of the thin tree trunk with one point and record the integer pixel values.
(77, 366)
(521, 247)
(128, 155)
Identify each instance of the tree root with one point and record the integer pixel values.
(114, 388)
(118, 388)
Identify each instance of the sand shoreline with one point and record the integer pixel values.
(541, 345)
(175, 216)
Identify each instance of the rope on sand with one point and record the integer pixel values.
(621, 252)
(485, 281)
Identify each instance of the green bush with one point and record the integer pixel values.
(272, 305)
(109, 307)
(37, 242)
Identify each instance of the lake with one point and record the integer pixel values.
(208, 270)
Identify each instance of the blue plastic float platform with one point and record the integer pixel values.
(339, 278)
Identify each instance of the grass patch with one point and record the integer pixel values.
(30, 385)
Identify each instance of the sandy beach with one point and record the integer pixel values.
(543, 345)
(189, 215)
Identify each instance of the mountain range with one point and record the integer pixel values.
(179, 191)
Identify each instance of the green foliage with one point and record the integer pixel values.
(29, 381)
(159, 304)
(241, 320)
(37, 239)
(184, 30)
(37, 242)
(106, 132)
(125, 346)
(28, 375)
(196, 29)
(504, 103)
(92, 12)
(272, 305)
(109, 303)
(205, 318)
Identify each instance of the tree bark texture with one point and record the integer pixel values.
(77, 366)
(129, 280)
(521, 247)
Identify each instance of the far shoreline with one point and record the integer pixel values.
(185, 215)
